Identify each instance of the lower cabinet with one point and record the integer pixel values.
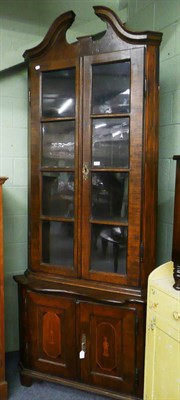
(92, 343)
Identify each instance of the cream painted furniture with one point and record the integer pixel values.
(162, 355)
(3, 383)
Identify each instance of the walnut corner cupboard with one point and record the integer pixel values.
(92, 207)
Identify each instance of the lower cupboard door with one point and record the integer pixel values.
(107, 348)
(51, 321)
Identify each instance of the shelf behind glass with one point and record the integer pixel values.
(110, 142)
(58, 143)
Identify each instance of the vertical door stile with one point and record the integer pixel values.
(34, 203)
(78, 165)
(86, 146)
(136, 165)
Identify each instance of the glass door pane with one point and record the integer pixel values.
(110, 142)
(110, 196)
(109, 248)
(58, 93)
(111, 88)
(58, 194)
(58, 144)
(57, 243)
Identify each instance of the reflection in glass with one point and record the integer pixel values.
(58, 93)
(110, 142)
(110, 195)
(109, 248)
(111, 88)
(58, 144)
(57, 243)
(58, 194)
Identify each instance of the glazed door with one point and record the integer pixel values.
(86, 182)
(107, 346)
(54, 168)
(112, 164)
(51, 335)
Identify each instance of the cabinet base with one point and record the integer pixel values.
(3, 391)
(27, 376)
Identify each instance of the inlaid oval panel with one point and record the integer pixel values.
(51, 334)
(106, 346)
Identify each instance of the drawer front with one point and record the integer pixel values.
(166, 306)
(162, 363)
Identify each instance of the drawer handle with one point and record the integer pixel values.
(153, 323)
(154, 305)
(176, 315)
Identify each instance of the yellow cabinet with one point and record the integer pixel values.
(162, 354)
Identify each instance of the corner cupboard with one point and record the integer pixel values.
(92, 207)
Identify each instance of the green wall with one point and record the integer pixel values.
(23, 24)
(164, 16)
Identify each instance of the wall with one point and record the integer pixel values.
(23, 24)
(164, 16)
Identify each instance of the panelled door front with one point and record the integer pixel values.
(52, 331)
(107, 346)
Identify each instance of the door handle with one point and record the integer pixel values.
(176, 315)
(82, 352)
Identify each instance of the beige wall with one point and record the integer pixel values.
(23, 24)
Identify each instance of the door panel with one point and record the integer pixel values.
(109, 359)
(52, 334)
(53, 222)
(112, 166)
